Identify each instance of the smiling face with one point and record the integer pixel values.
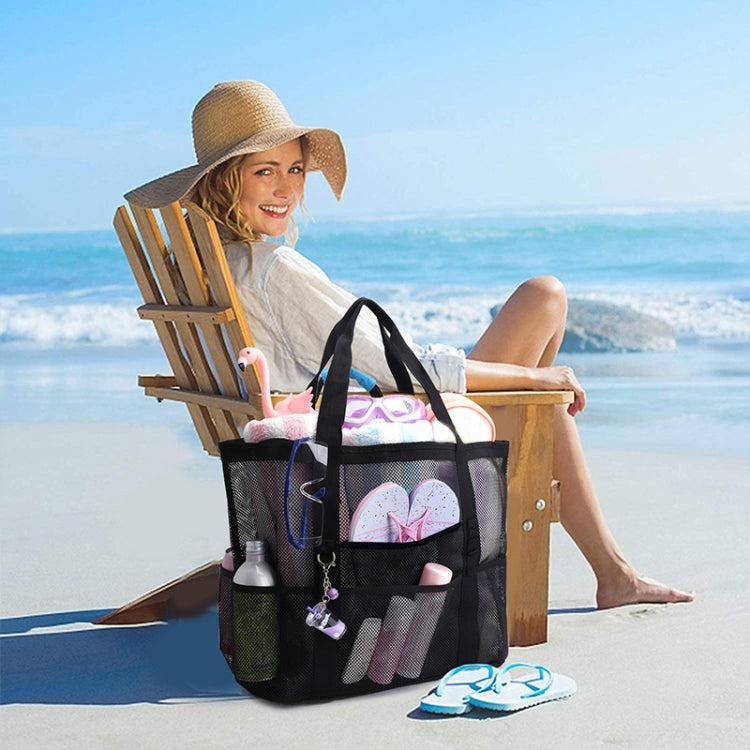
(272, 184)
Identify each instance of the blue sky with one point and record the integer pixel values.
(480, 106)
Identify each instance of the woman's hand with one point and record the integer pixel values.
(560, 378)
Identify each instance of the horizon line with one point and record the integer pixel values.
(557, 211)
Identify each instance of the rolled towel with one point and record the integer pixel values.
(289, 426)
(379, 433)
(296, 426)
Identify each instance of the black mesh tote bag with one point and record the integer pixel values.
(347, 614)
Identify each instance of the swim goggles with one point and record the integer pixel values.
(362, 410)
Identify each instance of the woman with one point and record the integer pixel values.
(250, 176)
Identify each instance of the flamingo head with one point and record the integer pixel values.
(247, 356)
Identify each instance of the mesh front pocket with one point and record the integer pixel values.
(370, 564)
(397, 635)
(428, 606)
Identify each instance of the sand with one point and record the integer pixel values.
(95, 514)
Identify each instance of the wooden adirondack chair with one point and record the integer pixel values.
(201, 337)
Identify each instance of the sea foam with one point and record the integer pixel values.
(459, 320)
(101, 324)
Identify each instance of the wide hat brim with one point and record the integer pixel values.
(325, 153)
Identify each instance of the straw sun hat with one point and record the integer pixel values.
(243, 117)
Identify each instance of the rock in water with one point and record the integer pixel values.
(595, 326)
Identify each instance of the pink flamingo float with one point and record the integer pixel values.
(292, 418)
(299, 403)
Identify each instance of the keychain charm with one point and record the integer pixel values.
(320, 617)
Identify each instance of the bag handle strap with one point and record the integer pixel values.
(395, 365)
(333, 406)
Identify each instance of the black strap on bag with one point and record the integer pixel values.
(396, 366)
(401, 359)
(330, 421)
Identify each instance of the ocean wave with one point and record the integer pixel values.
(114, 324)
(462, 320)
(457, 319)
(691, 315)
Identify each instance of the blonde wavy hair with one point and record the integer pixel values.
(218, 194)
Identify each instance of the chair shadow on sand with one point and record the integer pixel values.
(163, 662)
(110, 665)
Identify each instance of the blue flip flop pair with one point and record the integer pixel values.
(485, 686)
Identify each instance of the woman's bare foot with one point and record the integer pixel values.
(633, 588)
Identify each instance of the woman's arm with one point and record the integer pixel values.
(498, 376)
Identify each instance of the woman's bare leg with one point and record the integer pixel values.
(528, 331)
(581, 516)
(529, 328)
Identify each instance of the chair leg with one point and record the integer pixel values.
(531, 508)
(186, 596)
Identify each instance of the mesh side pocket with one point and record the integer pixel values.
(225, 614)
(255, 633)
(491, 495)
(491, 614)
(294, 641)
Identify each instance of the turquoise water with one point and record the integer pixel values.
(438, 277)
(71, 344)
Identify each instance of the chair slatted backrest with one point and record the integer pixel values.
(190, 297)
